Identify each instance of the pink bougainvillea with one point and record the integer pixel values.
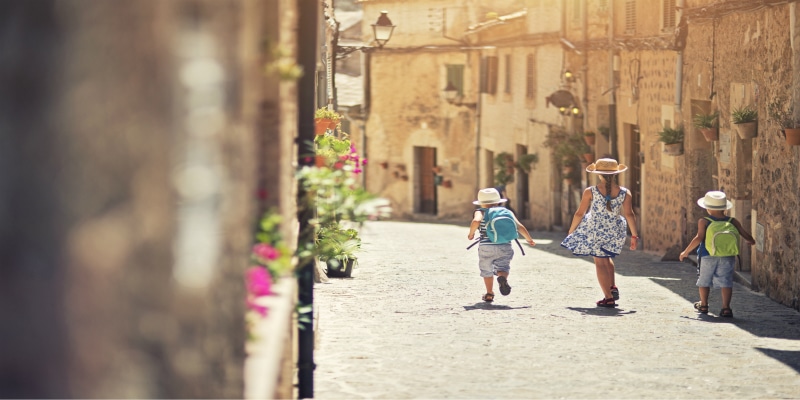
(259, 282)
(265, 252)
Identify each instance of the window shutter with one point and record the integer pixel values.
(530, 77)
(669, 13)
(455, 75)
(491, 75)
(630, 17)
(508, 73)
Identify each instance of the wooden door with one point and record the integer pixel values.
(424, 163)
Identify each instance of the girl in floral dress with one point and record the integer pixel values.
(600, 225)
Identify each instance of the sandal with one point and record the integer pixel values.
(505, 289)
(488, 297)
(606, 303)
(703, 309)
(726, 312)
(615, 292)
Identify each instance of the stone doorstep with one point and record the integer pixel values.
(743, 278)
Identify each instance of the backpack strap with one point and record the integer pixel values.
(520, 246)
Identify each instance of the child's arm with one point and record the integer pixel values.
(698, 238)
(749, 239)
(586, 201)
(475, 224)
(630, 216)
(524, 232)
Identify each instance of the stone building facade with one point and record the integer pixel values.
(637, 66)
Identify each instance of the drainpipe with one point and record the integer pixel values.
(679, 66)
(612, 92)
(478, 137)
(585, 94)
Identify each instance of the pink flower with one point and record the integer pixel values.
(265, 252)
(261, 310)
(357, 171)
(259, 281)
(338, 165)
(364, 162)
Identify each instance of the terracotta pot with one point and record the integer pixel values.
(320, 161)
(447, 184)
(673, 149)
(332, 124)
(792, 136)
(711, 134)
(747, 130)
(590, 140)
(321, 126)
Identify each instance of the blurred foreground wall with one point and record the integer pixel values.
(127, 196)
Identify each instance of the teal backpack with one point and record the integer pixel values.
(501, 227)
(722, 238)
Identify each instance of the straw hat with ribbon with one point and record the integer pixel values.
(606, 166)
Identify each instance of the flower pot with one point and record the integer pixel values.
(747, 130)
(673, 149)
(332, 124)
(321, 126)
(588, 157)
(589, 139)
(711, 134)
(342, 269)
(792, 136)
(447, 183)
(320, 161)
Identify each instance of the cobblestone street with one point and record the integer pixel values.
(411, 324)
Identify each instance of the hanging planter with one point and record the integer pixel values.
(706, 123)
(321, 126)
(672, 139)
(792, 136)
(747, 130)
(746, 121)
(673, 149)
(711, 134)
(589, 138)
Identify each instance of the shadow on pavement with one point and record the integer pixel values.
(790, 358)
(489, 306)
(602, 311)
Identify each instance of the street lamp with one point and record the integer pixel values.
(452, 96)
(382, 31)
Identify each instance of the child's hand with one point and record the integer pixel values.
(471, 235)
(530, 242)
(683, 255)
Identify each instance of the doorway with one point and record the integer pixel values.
(424, 182)
(635, 158)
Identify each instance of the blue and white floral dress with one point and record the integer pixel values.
(601, 233)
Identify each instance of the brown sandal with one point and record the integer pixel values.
(488, 297)
(702, 309)
(606, 303)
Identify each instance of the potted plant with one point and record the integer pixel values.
(790, 127)
(589, 138)
(503, 169)
(325, 119)
(526, 162)
(672, 139)
(746, 121)
(707, 123)
(337, 247)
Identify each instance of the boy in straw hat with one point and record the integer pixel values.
(493, 258)
(712, 269)
(600, 225)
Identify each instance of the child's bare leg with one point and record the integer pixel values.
(488, 282)
(726, 297)
(704, 295)
(603, 278)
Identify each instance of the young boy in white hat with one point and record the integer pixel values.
(493, 258)
(714, 270)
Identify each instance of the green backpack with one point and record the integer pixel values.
(722, 238)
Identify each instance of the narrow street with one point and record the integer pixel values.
(411, 324)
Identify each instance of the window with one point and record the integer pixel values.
(576, 12)
(489, 75)
(668, 11)
(630, 17)
(455, 75)
(508, 73)
(530, 77)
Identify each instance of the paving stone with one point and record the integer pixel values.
(411, 324)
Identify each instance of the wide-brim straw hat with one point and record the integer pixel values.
(715, 200)
(489, 196)
(606, 166)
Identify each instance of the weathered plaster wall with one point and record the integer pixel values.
(752, 53)
(404, 114)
